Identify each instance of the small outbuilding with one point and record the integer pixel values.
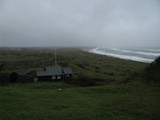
(52, 73)
(17, 75)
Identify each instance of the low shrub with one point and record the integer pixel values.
(81, 81)
(4, 79)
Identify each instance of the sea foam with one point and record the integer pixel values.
(141, 55)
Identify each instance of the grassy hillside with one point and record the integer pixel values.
(95, 67)
(152, 72)
(113, 100)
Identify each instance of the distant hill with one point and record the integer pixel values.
(152, 72)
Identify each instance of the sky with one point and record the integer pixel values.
(106, 23)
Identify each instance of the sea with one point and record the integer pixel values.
(146, 55)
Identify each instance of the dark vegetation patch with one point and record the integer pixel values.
(152, 72)
(149, 74)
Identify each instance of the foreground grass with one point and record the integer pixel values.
(44, 101)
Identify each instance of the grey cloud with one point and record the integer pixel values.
(79, 22)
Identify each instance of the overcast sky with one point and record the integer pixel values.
(110, 23)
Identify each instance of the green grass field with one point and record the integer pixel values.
(112, 99)
(44, 101)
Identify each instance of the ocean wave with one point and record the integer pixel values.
(126, 54)
(150, 53)
(152, 50)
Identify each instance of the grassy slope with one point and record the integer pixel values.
(133, 101)
(94, 66)
(42, 101)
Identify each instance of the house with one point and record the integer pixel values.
(54, 73)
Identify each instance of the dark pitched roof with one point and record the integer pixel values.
(55, 70)
(22, 71)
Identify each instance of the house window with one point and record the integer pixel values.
(53, 77)
(58, 77)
